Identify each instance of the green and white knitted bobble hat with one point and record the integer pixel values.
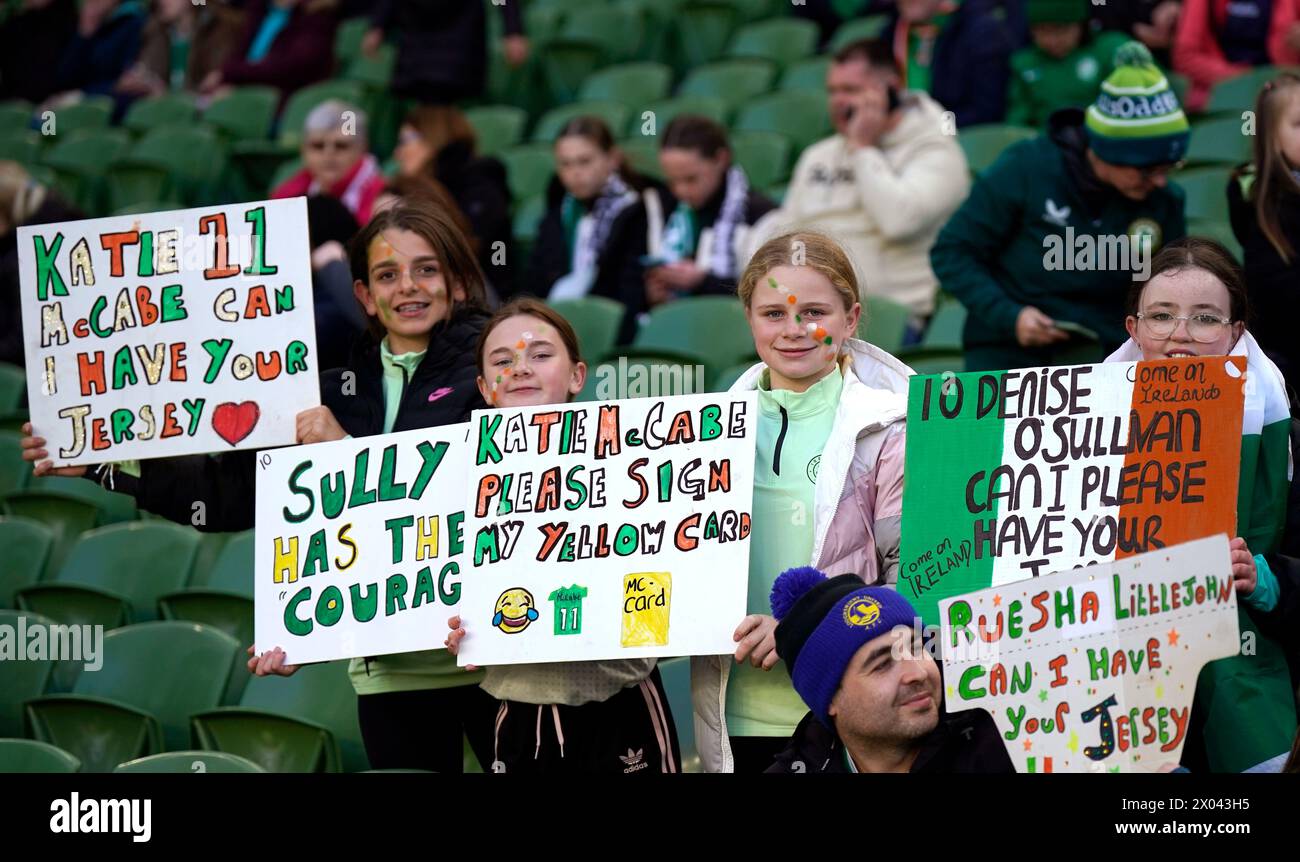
(1136, 119)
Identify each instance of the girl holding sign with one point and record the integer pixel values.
(1195, 304)
(608, 716)
(828, 481)
(416, 277)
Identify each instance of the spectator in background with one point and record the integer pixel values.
(1218, 39)
(336, 160)
(958, 53)
(182, 44)
(1264, 205)
(442, 46)
(702, 246)
(1153, 22)
(884, 183)
(1106, 176)
(1064, 67)
(592, 199)
(33, 33)
(286, 44)
(105, 45)
(23, 201)
(437, 141)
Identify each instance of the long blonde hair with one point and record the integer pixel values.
(1273, 177)
(20, 195)
(802, 248)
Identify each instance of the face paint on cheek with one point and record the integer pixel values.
(385, 309)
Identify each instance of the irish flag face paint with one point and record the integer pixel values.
(1015, 474)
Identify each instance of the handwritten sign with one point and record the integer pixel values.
(624, 523)
(360, 544)
(1013, 474)
(170, 333)
(1094, 669)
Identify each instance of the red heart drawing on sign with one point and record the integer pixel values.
(233, 422)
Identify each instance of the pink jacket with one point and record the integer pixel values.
(857, 510)
(1197, 54)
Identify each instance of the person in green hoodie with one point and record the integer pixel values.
(1065, 65)
(1044, 250)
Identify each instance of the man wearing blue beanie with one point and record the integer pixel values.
(874, 694)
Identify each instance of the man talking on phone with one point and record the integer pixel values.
(883, 184)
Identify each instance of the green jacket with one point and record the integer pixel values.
(1040, 229)
(1041, 84)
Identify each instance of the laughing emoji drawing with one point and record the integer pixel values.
(514, 611)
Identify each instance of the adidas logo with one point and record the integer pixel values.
(633, 760)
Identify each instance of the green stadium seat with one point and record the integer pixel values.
(870, 27)
(728, 376)
(712, 330)
(172, 762)
(781, 40)
(806, 76)
(1218, 142)
(20, 681)
(703, 29)
(1237, 94)
(550, 123)
(596, 319)
(22, 145)
(983, 144)
(528, 216)
(285, 171)
(666, 110)
(303, 723)
(92, 112)
(177, 163)
(542, 22)
(497, 127)
(65, 517)
(80, 161)
(609, 25)
(230, 567)
(224, 600)
(946, 326)
(30, 756)
(168, 110)
(933, 360)
(801, 119)
(14, 471)
(116, 574)
(566, 63)
(1207, 192)
(666, 374)
(884, 323)
(244, 114)
(154, 677)
(765, 156)
(113, 508)
(347, 38)
(13, 387)
(372, 73)
(1219, 230)
(642, 155)
(144, 207)
(206, 558)
(528, 169)
(27, 547)
(736, 82)
(15, 114)
(632, 84)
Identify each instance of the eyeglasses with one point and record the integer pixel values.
(337, 146)
(1201, 327)
(1164, 170)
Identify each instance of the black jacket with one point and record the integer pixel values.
(1282, 624)
(441, 46)
(965, 742)
(1272, 284)
(630, 246)
(974, 38)
(226, 484)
